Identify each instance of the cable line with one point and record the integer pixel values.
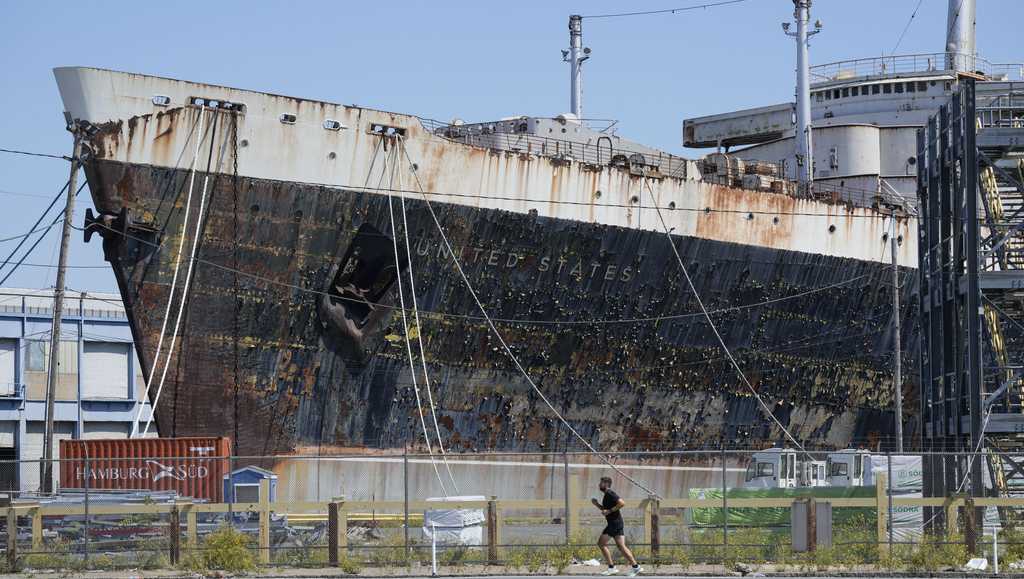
(665, 11)
(714, 328)
(907, 27)
(33, 154)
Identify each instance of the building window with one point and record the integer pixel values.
(887, 88)
(855, 91)
(835, 94)
(247, 493)
(105, 370)
(37, 361)
(899, 87)
(8, 349)
(911, 87)
(923, 86)
(846, 92)
(876, 88)
(35, 356)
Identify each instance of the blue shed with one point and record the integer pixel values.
(243, 486)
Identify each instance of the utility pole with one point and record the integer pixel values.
(46, 470)
(802, 136)
(575, 56)
(898, 373)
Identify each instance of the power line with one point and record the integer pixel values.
(665, 11)
(22, 237)
(714, 329)
(34, 154)
(41, 237)
(51, 266)
(907, 27)
(22, 194)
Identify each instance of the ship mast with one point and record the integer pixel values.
(960, 49)
(804, 150)
(575, 56)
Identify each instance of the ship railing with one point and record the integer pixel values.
(738, 175)
(937, 62)
(601, 152)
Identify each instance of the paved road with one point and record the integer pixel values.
(580, 575)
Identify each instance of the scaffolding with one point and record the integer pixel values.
(971, 271)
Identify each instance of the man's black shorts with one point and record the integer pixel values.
(615, 529)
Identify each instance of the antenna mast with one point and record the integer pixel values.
(575, 56)
(804, 150)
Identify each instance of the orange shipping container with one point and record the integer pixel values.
(195, 467)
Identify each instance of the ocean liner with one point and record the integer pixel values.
(260, 243)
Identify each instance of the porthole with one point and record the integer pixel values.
(333, 125)
(287, 118)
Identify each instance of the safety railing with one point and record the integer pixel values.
(914, 63)
(601, 152)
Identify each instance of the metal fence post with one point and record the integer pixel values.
(37, 529)
(85, 450)
(645, 507)
(191, 528)
(12, 538)
(565, 478)
(655, 528)
(971, 526)
(725, 506)
(888, 458)
(405, 508)
(492, 531)
(332, 534)
(572, 515)
(231, 490)
(174, 530)
(951, 516)
(880, 505)
(265, 521)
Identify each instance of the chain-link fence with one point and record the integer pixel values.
(516, 511)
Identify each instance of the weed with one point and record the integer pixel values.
(535, 559)
(56, 555)
(225, 549)
(348, 565)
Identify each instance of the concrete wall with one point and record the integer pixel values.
(519, 477)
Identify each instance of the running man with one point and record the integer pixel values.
(615, 529)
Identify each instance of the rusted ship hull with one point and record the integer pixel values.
(274, 353)
(290, 337)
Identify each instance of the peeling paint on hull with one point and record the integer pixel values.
(270, 365)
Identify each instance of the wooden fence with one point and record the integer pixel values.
(338, 511)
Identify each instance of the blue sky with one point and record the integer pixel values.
(473, 60)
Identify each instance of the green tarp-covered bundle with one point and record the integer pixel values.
(776, 516)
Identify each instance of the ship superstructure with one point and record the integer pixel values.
(865, 115)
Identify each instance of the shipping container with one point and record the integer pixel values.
(194, 467)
